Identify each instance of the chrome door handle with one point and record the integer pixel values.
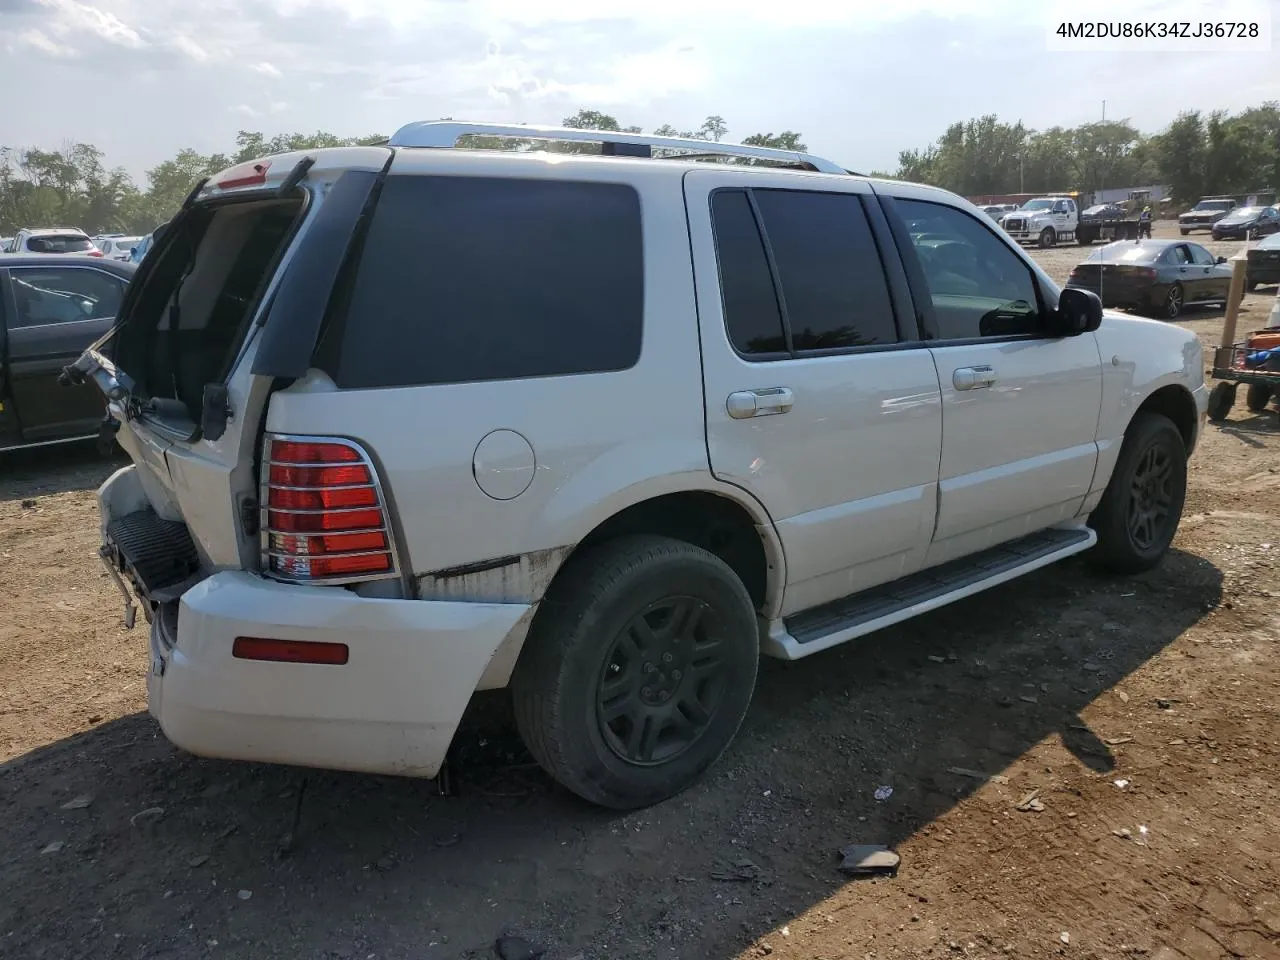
(744, 404)
(973, 378)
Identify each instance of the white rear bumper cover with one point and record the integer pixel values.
(392, 708)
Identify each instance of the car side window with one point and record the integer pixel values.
(469, 279)
(1202, 256)
(826, 286)
(45, 295)
(1181, 255)
(979, 287)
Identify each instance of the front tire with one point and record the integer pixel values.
(1184, 232)
(1139, 513)
(1047, 238)
(638, 670)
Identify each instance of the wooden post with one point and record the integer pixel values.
(1238, 265)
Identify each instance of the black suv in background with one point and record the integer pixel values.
(52, 306)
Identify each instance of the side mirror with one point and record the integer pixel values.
(1221, 260)
(1079, 311)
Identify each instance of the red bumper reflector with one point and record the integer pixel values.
(289, 651)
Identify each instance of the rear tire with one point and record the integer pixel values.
(1174, 301)
(638, 670)
(1139, 513)
(1257, 397)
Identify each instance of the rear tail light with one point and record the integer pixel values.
(95, 252)
(326, 517)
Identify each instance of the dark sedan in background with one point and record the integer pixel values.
(51, 308)
(1243, 222)
(1157, 277)
(1263, 264)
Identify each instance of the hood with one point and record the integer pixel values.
(1204, 215)
(1025, 214)
(1246, 222)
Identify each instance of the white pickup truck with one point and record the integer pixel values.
(1045, 221)
(408, 422)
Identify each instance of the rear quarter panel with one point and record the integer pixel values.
(601, 441)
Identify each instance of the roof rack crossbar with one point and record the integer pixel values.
(446, 133)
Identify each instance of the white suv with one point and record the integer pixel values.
(410, 422)
(54, 240)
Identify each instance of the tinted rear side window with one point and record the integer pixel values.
(825, 261)
(474, 278)
(833, 281)
(752, 317)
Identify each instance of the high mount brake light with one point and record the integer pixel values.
(245, 175)
(326, 518)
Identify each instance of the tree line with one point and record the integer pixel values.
(1197, 154)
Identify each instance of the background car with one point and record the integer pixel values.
(1157, 277)
(118, 248)
(1244, 221)
(1207, 212)
(53, 307)
(1263, 265)
(54, 240)
(141, 247)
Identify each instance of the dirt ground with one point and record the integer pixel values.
(1144, 712)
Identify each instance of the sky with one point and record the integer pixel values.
(860, 79)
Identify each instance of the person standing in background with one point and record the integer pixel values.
(1144, 223)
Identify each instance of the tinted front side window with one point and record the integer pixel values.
(63, 295)
(476, 278)
(1202, 256)
(979, 287)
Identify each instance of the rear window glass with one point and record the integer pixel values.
(1124, 253)
(466, 279)
(59, 244)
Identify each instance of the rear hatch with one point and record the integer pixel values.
(224, 308)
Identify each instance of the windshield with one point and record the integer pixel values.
(1213, 205)
(1037, 205)
(69, 243)
(1243, 213)
(1124, 253)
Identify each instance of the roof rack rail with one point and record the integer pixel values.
(446, 133)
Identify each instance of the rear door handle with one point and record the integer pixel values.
(744, 404)
(973, 378)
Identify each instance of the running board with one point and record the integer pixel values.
(842, 620)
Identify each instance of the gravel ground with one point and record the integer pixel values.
(1142, 711)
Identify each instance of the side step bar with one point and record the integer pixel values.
(841, 620)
